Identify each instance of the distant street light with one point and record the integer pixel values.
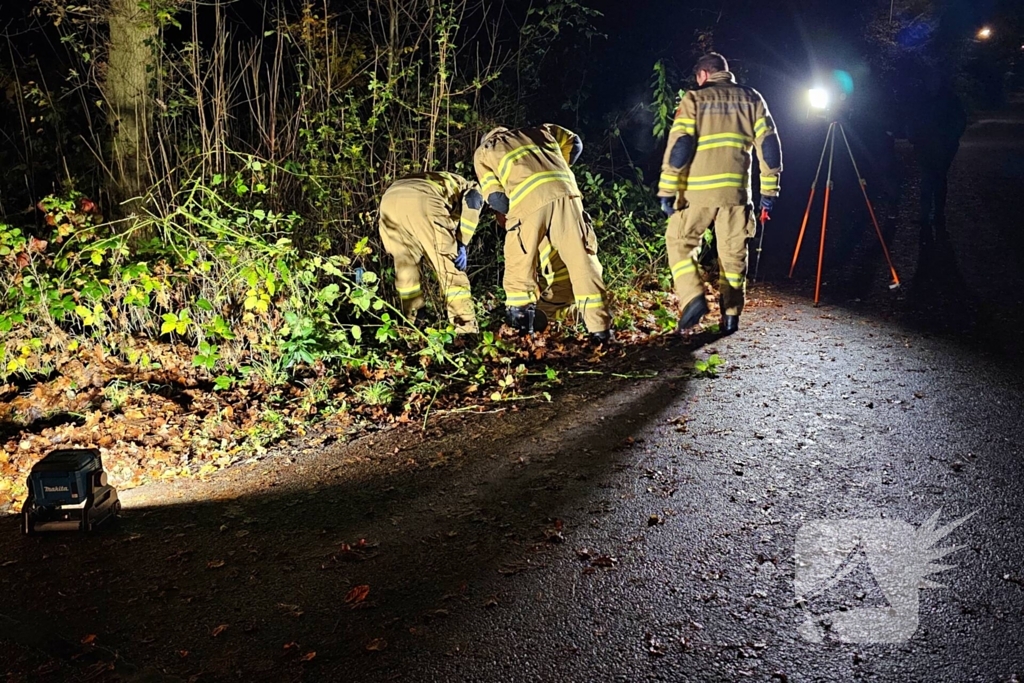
(985, 33)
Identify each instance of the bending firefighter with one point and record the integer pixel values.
(705, 181)
(432, 215)
(525, 174)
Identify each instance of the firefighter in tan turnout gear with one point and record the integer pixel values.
(432, 215)
(705, 181)
(525, 174)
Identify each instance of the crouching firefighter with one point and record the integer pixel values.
(525, 174)
(432, 215)
(705, 181)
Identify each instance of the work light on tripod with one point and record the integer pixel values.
(822, 105)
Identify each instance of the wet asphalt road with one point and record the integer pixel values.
(636, 529)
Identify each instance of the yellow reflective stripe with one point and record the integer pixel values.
(590, 299)
(447, 186)
(734, 279)
(724, 143)
(564, 140)
(505, 166)
(410, 292)
(714, 182)
(723, 140)
(546, 254)
(467, 227)
(560, 276)
(531, 183)
(683, 267)
(760, 127)
(489, 184)
(685, 126)
(714, 178)
(722, 136)
(453, 293)
(520, 298)
(669, 182)
(449, 183)
(769, 182)
(715, 186)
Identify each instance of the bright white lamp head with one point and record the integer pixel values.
(819, 98)
(985, 33)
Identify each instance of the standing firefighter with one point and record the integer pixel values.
(525, 174)
(433, 215)
(705, 181)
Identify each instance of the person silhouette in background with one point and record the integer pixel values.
(936, 124)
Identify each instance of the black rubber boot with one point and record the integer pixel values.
(694, 311)
(526, 319)
(730, 324)
(601, 338)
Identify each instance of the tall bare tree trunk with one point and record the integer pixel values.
(131, 72)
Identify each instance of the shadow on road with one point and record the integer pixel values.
(246, 587)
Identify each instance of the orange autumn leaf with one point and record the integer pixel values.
(357, 594)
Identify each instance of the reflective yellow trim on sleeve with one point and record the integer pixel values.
(489, 184)
(467, 227)
(769, 182)
(760, 127)
(669, 182)
(684, 126)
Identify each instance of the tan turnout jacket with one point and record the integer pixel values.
(529, 165)
(726, 121)
(452, 190)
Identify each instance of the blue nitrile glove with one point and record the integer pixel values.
(767, 204)
(462, 260)
(668, 205)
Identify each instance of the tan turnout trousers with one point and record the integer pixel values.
(557, 238)
(415, 224)
(734, 225)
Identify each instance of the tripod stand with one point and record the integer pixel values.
(830, 147)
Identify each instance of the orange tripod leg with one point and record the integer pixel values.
(824, 220)
(810, 200)
(871, 210)
(803, 228)
(821, 247)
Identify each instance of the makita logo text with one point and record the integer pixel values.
(56, 489)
